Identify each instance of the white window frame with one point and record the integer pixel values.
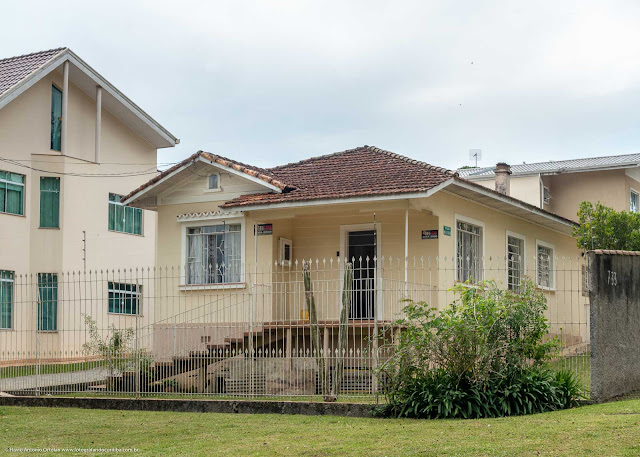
(508, 234)
(24, 198)
(461, 218)
(216, 189)
(137, 293)
(553, 265)
(185, 253)
(283, 243)
(631, 192)
(124, 213)
(546, 195)
(13, 299)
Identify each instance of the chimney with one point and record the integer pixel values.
(503, 178)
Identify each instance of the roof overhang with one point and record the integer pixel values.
(86, 78)
(558, 171)
(147, 196)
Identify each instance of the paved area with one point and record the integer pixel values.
(53, 379)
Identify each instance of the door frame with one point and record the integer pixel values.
(344, 252)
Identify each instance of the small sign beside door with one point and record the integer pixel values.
(446, 230)
(265, 229)
(429, 234)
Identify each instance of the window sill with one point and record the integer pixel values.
(231, 285)
(47, 331)
(124, 314)
(219, 189)
(546, 289)
(48, 228)
(7, 329)
(12, 214)
(125, 233)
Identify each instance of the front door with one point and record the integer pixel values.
(362, 246)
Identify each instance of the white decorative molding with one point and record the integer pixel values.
(208, 216)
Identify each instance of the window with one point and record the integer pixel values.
(544, 266)
(124, 298)
(47, 302)
(633, 201)
(214, 254)
(56, 118)
(125, 219)
(285, 252)
(515, 262)
(469, 251)
(11, 193)
(49, 202)
(214, 181)
(6, 299)
(546, 195)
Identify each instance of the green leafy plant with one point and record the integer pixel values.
(602, 227)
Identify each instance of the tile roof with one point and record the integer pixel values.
(558, 166)
(15, 69)
(256, 172)
(363, 171)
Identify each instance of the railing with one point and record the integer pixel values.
(142, 332)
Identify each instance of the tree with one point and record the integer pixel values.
(602, 227)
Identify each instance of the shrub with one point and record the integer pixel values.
(483, 356)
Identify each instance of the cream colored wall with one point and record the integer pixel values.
(525, 188)
(27, 249)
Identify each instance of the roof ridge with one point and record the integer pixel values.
(371, 149)
(57, 50)
(250, 170)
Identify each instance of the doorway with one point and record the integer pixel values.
(362, 245)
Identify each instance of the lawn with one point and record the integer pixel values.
(51, 368)
(610, 429)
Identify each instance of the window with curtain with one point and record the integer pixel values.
(6, 299)
(545, 266)
(125, 219)
(214, 254)
(49, 202)
(515, 262)
(124, 298)
(56, 118)
(47, 302)
(11, 193)
(469, 252)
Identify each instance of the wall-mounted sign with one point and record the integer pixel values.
(265, 229)
(447, 230)
(429, 234)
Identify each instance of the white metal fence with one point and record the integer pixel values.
(148, 331)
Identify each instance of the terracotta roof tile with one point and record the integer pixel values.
(15, 69)
(362, 171)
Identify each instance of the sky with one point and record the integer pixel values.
(272, 82)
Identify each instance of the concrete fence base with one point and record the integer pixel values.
(197, 406)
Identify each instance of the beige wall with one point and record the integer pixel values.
(525, 188)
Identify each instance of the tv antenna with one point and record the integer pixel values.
(475, 154)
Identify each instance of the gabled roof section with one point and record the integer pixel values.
(363, 171)
(558, 166)
(17, 74)
(162, 181)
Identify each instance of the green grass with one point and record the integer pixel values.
(30, 370)
(610, 429)
(366, 399)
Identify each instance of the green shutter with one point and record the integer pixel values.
(49, 202)
(6, 299)
(56, 115)
(47, 301)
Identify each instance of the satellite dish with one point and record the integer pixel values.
(475, 154)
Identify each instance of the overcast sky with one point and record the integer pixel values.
(270, 82)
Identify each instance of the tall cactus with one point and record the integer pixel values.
(315, 331)
(343, 328)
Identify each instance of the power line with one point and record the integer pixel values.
(82, 162)
(150, 171)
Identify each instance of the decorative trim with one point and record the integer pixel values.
(208, 216)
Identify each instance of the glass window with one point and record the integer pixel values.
(47, 301)
(633, 201)
(11, 193)
(49, 202)
(214, 254)
(469, 252)
(6, 299)
(515, 262)
(124, 298)
(214, 181)
(56, 118)
(125, 219)
(545, 266)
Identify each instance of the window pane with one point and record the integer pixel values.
(56, 115)
(515, 262)
(49, 202)
(14, 198)
(137, 221)
(6, 299)
(545, 266)
(124, 298)
(213, 182)
(47, 301)
(214, 254)
(128, 219)
(469, 252)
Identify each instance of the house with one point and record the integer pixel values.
(233, 241)
(560, 186)
(71, 144)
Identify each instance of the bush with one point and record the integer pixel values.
(483, 356)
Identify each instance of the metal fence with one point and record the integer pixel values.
(147, 332)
